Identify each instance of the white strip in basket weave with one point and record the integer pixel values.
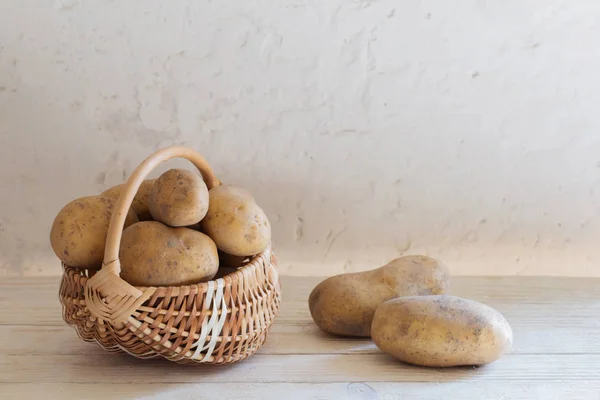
(214, 325)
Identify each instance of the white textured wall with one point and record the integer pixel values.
(466, 130)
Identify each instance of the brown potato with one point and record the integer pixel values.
(441, 331)
(140, 201)
(344, 304)
(179, 198)
(153, 254)
(78, 234)
(235, 222)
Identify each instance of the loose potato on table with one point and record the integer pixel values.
(441, 331)
(78, 234)
(344, 304)
(140, 201)
(178, 198)
(235, 222)
(153, 254)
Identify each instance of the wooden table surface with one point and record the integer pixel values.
(556, 355)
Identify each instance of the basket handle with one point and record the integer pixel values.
(117, 221)
(107, 296)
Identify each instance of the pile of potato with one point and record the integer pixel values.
(403, 307)
(177, 232)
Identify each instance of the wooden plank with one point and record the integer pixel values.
(283, 339)
(542, 312)
(293, 391)
(294, 339)
(556, 354)
(114, 368)
(568, 302)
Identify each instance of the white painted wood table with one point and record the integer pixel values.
(556, 323)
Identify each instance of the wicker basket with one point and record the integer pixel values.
(216, 322)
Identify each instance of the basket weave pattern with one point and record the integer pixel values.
(216, 322)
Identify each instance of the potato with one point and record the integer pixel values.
(78, 234)
(441, 331)
(153, 254)
(344, 304)
(140, 201)
(235, 222)
(178, 198)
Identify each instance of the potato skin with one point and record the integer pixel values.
(140, 201)
(153, 254)
(178, 198)
(344, 304)
(78, 233)
(441, 331)
(235, 222)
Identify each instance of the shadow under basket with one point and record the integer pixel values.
(221, 321)
(217, 322)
